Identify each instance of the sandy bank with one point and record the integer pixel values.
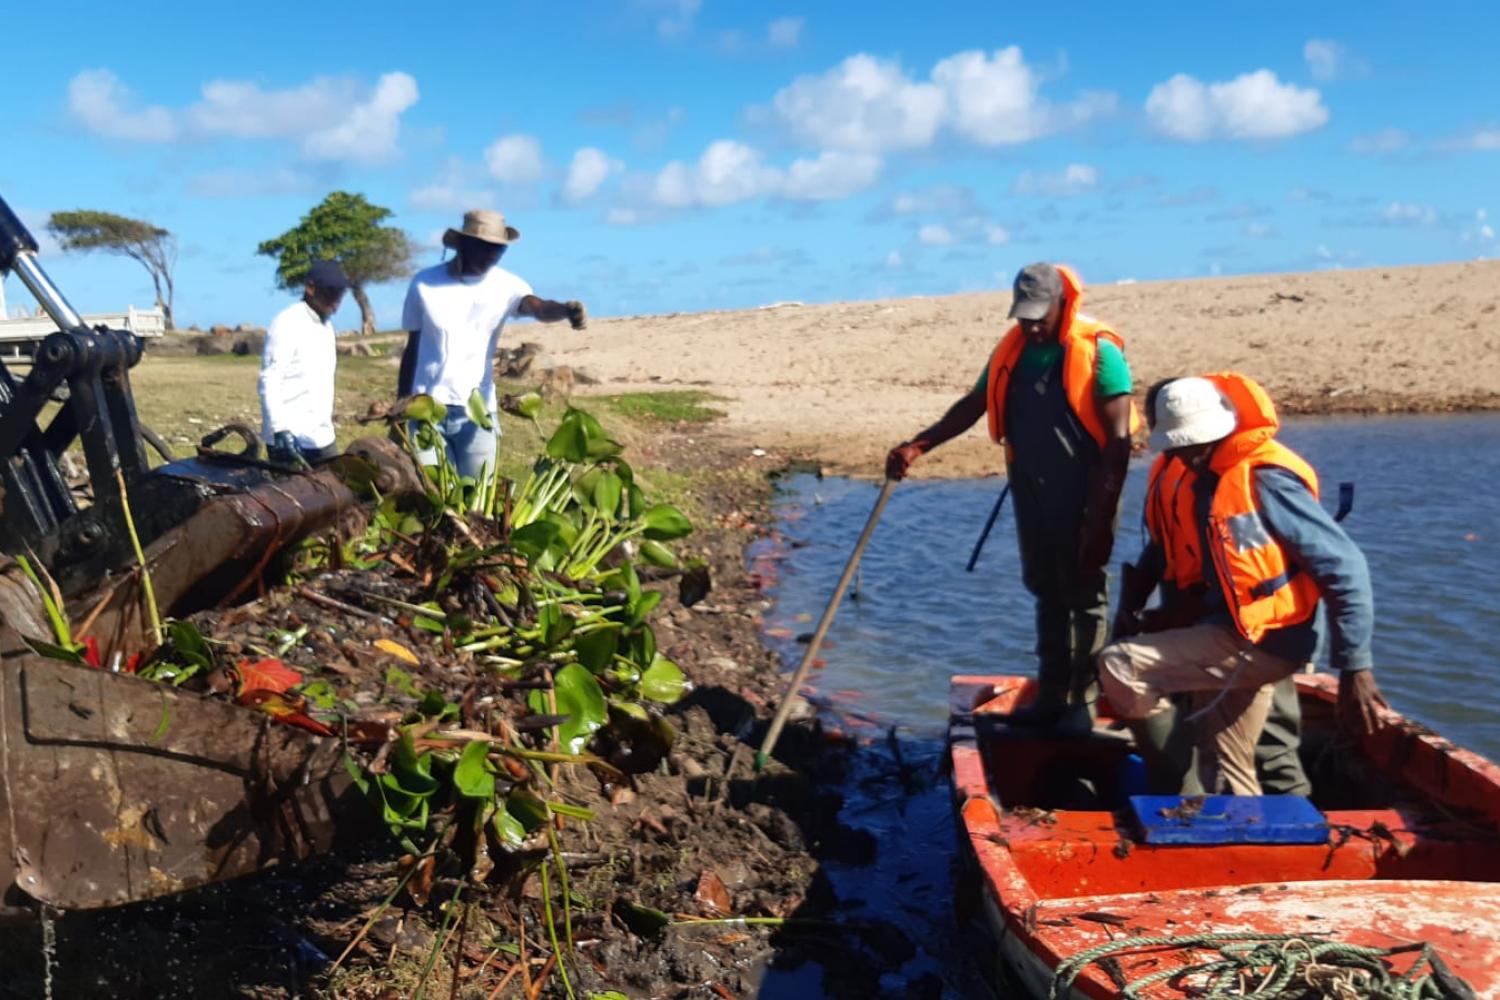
(843, 382)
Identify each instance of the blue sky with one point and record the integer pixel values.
(677, 155)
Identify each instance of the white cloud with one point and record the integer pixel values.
(1483, 139)
(996, 235)
(863, 104)
(623, 217)
(1324, 58)
(1254, 106)
(893, 260)
(679, 22)
(832, 175)
(1399, 213)
(730, 172)
(726, 173)
(940, 198)
(1259, 230)
(993, 99)
(515, 159)
(105, 106)
(369, 132)
(935, 235)
(333, 118)
(871, 105)
(1075, 178)
(1387, 140)
(785, 32)
(589, 170)
(458, 187)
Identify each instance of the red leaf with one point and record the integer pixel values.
(91, 651)
(283, 709)
(266, 675)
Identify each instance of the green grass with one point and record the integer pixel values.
(678, 406)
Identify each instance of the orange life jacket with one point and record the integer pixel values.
(1080, 340)
(1263, 588)
(1172, 520)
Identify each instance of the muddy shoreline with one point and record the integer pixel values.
(702, 836)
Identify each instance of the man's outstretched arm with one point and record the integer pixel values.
(960, 417)
(550, 311)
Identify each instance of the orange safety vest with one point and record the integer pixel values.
(1263, 588)
(1172, 520)
(1080, 340)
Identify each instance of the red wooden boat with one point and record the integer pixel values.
(1407, 855)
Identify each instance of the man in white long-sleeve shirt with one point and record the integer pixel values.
(297, 368)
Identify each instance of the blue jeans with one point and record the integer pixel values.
(470, 447)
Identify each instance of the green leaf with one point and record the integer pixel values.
(582, 700)
(569, 442)
(479, 410)
(607, 492)
(320, 693)
(424, 409)
(665, 522)
(643, 645)
(556, 624)
(657, 554)
(663, 681)
(573, 812)
(508, 829)
(536, 538)
(52, 651)
(596, 649)
(472, 775)
(641, 609)
(529, 405)
(529, 811)
(644, 921)
(399, 679)
(434, 706)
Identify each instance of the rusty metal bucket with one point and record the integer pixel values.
(115, 789)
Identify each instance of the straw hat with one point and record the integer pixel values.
(1191, 411)
(482, 224)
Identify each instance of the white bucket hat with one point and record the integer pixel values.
(1190, 411)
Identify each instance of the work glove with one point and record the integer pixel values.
(578, 317)
(901, 457)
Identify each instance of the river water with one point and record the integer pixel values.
(1426, 513)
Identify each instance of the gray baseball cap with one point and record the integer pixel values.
(1037, 287)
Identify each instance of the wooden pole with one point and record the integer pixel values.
(784, 709)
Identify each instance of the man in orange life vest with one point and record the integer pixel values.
(1172, 562)
(1057, 395)
(1268, 554)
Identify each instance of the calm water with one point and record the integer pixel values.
(1426, 513)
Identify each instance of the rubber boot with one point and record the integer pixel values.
(1165, 743)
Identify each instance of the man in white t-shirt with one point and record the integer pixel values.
(297, 368)
(454, 314)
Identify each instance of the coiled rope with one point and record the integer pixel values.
(1278, 967)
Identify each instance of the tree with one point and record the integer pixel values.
(153, 247)
(346, 228)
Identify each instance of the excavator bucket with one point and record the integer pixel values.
(114, 788)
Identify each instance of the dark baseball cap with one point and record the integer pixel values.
(327, 274)
(1037, 287)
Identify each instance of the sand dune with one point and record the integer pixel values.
(843, 382)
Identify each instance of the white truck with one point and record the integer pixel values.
(19, 336)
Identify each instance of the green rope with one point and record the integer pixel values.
(1278, 967)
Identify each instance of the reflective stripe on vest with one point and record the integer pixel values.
(1263, 588)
